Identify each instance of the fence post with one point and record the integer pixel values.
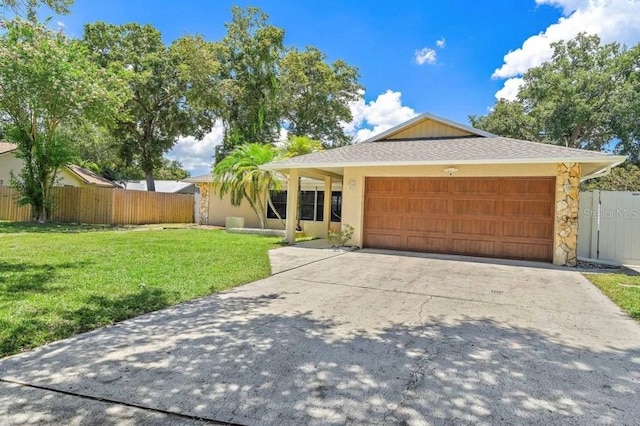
(595, 224)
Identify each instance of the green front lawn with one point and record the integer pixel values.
(59, 281)
(623, 289)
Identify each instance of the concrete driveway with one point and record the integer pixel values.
(360, 337)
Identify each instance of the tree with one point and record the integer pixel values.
(246, 81)
(509, 119)
(622, 178)
(29, 8)
(158, 112)
(315, 95)
(571, 100)
(625, 114)
(239, 175)
(47, 81)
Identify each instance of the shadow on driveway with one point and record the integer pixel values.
(230, 358)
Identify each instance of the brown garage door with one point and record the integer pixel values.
(494, 217)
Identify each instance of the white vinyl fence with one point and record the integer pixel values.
(609, 226)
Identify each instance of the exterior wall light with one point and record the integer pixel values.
(450, 170)
(567, 186)
(352, 184)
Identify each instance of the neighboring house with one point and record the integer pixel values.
(71, 175)
(433, 185)
(215, 210)
(166, 186)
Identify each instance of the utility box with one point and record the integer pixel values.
(234, 222)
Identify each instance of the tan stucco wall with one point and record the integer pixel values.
(353, 199)
(220, 209)
(9, 163)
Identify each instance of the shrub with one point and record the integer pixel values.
(342, 237)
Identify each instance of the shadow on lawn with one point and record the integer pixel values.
(231, 358)
(50, 228)
(18, 279)
(46, 324)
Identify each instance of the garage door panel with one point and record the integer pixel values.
(522, 208)
(390, 185)
(384, 205)
(495, 217)
(526, 250)
(378, 240)
(479, 187)
(475, 246)
(426, 206)
(532, 230)
(383, 222)
(426, 224)
(475, 207)
(529, 186)
(431, 244)
(474, 227)
(425, 186)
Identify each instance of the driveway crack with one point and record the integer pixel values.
(422, 305)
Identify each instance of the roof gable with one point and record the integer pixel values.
(429, 126)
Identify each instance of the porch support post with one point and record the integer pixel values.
(292, 206)
(326, 214)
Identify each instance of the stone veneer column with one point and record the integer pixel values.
(205, 189)
(565, 240)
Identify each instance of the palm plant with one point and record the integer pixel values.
(239, 175)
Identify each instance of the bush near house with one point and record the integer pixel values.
(56, 281)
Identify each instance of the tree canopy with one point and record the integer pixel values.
(28, 8)
(158, 112)
(256, 86)
(47, 81)
(585, 96)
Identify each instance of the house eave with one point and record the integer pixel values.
(611, 160)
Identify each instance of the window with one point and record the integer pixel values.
(311, 205)
(279, 200)
(307, 205)
(336, 206)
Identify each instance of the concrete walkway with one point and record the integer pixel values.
(359, 338)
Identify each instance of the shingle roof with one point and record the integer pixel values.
(443, 151)
(91, 178)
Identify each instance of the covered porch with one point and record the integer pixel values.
(328, 180)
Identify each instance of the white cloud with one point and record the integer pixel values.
(510, 89)
(425, 55)
(378, 115)
(61, 24)
(612, 20)
(441, 43)
(195, 155)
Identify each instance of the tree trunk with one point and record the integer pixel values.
(151, 184)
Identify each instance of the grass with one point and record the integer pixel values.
(623, 289)
(59, 281)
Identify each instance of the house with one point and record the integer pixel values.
(72, 175)
(165, 186)
(433, 185)
(214, 210)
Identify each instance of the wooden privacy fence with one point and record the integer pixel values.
(105, 205)
(609, 226)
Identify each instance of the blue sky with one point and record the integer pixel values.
(444, 57)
